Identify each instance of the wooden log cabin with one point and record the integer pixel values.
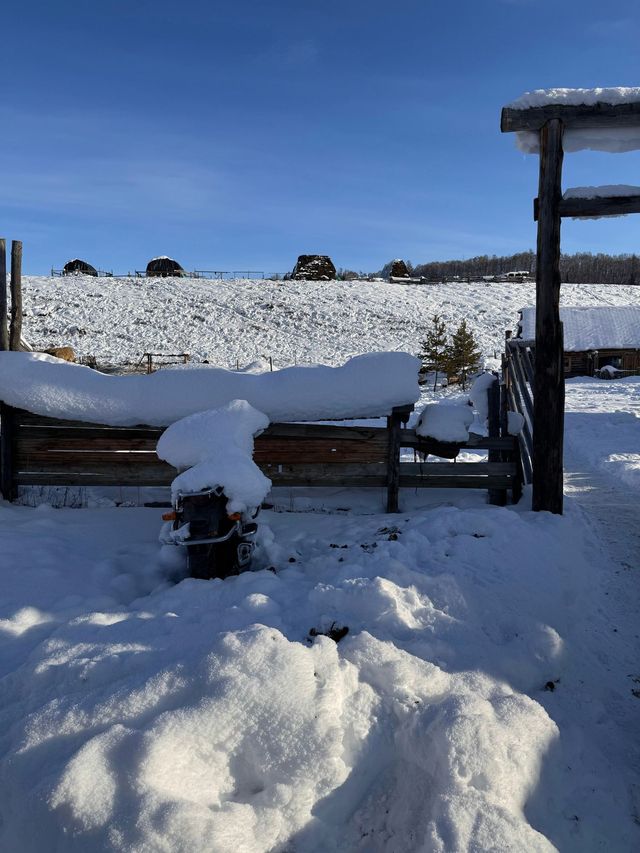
(595, 337)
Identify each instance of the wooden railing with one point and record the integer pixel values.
(36, 451)
(518, 372)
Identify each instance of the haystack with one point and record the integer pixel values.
(314, 268)
(78, 267)
(399, 269)
(163, 267)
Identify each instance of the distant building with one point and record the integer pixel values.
(597, 339)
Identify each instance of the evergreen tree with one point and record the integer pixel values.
(434, 348)
(463, 355)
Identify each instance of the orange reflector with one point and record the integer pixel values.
(168, 516)
(235, 516)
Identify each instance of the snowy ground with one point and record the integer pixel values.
(231, 322)
(486, 696)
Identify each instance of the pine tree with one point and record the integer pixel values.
(463, 355)
(434, 348)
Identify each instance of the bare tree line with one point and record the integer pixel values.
(582, 267)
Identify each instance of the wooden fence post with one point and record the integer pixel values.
(394, 422)
(7, 482)
(497, 497)
(4, 332)
(548, 417)
(15, 330)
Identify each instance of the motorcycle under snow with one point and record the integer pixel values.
(218, 544)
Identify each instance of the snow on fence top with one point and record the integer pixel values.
(365, 386)
(602, 119)
(592, 328)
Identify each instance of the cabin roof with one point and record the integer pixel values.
(591, 328)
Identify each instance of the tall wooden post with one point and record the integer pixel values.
(548, 415)
(4, 332)
(15, 329)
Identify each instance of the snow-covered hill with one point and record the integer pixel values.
(231, 322)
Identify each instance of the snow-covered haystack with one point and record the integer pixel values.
(366, 386)
(399, 269)
(314, 268)
(164, 267)
(216, 449)
(79, 267)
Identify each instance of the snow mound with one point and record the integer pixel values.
(368, 385)
(576, 97)
(445, 421)
(216, 448)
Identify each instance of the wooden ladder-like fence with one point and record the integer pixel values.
(518, 372)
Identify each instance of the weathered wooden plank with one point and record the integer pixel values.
(4, 330)
(149, 477)
(15, 326)
(573, 116)
(28, 443)
(456, 469)
(548, 426)
(602, 206)
(87, 435)
(437, 481)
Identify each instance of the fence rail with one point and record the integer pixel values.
(37, 451)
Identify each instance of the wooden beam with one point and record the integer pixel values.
(4, 331)
(572, 116)
(548, 416)
(617, 205)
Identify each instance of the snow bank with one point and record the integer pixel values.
(216, 448)
(452, 420)
(367, 385)
(204, 717)
(445, 421)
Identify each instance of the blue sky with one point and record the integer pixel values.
(237, 135)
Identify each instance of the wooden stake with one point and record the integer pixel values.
(548, 416)
(4, 332)
(15, 329)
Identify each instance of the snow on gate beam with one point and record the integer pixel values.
(571, 115)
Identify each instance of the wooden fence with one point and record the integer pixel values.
(518, 374)
(37, 451)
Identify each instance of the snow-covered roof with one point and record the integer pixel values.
(592, 328)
